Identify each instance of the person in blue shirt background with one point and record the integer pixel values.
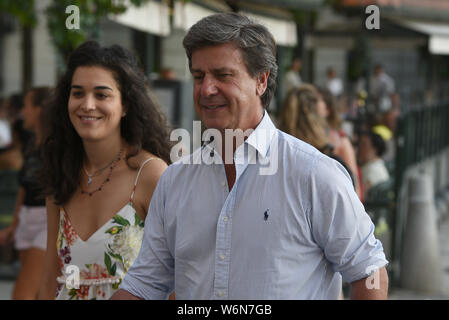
(227, 229)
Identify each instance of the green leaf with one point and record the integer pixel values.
(114, 230)
(107, 262)
(137, 220)
(113, 269)
(120, 220)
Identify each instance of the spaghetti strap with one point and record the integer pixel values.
(137, 177)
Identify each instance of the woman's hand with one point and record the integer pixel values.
(7, 235)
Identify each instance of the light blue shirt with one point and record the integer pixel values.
(289, 235)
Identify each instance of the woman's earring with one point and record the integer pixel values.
(124, 114)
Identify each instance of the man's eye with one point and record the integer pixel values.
(197, 77)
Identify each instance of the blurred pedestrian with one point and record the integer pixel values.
(382, 89)
(5, 128)
(371, 148)
(292, 78)
(167, 74)
(303, 116)
(334, 84)
(230, 230)
(342, 144)
(106, 146)
(29, 225)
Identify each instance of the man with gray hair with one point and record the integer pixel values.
(227, 231)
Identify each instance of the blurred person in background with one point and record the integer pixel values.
(382, 87)
(167, 74)
(371, 148)
(29, 226)
(12, 156)
(301, 117)
(106, 146)
(292, 78)
(327, 108)
(334, 84)
(5, 128)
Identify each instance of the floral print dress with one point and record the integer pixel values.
(103, 259)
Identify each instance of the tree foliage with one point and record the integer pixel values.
(21, 9)
(65, 40)
(91, 13)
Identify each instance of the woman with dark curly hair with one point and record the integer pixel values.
(106, 147)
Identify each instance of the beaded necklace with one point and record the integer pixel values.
(111, 165)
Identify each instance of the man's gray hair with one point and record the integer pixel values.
(254, 40)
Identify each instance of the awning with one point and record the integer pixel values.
(282, 26)
(438, 34)
(278, 21)
(283, 31)
(186, 14)
(152, 17)
(292, 4)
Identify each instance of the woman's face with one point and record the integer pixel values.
(321, 108)
(30, 113)
(95, 103)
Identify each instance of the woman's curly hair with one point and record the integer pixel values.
(143, 127)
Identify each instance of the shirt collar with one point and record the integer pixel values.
(260, 139)
(262, 136)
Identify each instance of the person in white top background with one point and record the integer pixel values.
(292, 78)
(334, 83)
(371, 148)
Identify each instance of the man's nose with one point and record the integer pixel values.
(208, 86)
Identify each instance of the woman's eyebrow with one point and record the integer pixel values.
(96, 88)
(103, 88)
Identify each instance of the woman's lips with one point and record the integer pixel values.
(89, 119)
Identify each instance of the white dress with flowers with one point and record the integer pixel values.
(103, 259)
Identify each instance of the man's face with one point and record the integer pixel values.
(225, 95)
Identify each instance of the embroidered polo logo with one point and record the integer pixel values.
(265, 214)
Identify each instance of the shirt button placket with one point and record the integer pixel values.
(223, 250)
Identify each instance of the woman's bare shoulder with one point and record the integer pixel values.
(152, 169)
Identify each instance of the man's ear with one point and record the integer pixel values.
(262, 82)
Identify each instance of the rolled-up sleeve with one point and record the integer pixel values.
(340, 225)
(151, 275)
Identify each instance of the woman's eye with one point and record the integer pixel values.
(77, 94)
(101, 96)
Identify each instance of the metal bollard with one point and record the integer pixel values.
(420, 268)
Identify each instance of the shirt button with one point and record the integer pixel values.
(222, 256)
(225, 219)
(224, 183)
(220, 293)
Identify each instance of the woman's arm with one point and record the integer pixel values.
(8, 233)
(51, 267)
